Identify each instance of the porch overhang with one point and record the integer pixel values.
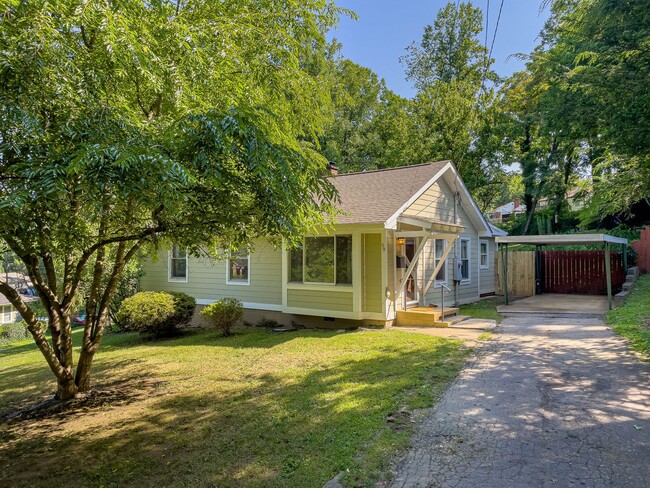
(431, 225)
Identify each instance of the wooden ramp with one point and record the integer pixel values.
(428, 317)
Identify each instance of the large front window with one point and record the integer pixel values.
(325, 260)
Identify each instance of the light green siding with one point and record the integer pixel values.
(435, 203)
(335, 300)
(373, 294)
(207, 278)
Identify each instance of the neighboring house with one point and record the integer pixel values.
(575, 198)
(507, 211)
(401, 226)
(8, 313)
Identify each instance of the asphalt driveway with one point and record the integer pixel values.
(551, 402)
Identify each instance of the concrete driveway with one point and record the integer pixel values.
(553, 401)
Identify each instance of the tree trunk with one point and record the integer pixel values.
(82, 378)
(66, 388)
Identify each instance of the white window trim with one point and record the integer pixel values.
(2, 314)
(469, 258)
(238, 282)
(439, 283)
(174, 279)
(487, 254)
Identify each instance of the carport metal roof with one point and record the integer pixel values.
(561, 239)
(566, 240)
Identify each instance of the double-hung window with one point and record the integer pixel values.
(484, 255)
(438, 251)
(5, 315)
(464, 259)
(177, 264)
(238, 267)
(322, 260)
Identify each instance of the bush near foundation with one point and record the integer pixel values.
(13, 332)
(224, 314)
(156, 313)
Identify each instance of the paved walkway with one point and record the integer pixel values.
(554, 303)
(552, 402)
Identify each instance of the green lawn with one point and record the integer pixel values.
(486, 308)
(632, 319)
(256, 409)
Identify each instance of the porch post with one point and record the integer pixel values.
(625, 259)
(608, 272)
(504, 271)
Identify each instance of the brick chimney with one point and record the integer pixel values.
(332, 168)
(516, 202)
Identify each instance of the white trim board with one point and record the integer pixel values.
(272, 307)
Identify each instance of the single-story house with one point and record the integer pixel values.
(410, 236)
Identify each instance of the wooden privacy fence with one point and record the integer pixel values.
(577, 272)
(521, 274)
(580, 272)
(642, 249)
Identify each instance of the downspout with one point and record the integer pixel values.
(456, 253)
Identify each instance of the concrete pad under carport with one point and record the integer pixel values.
(555, 303)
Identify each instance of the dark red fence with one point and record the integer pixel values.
(642, 248)
(580, 272)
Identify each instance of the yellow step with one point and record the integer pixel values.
(424, 316)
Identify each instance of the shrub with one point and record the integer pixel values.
(224, 314)
(13, 332)
(157, 313)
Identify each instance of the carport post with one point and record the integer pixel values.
(608, 272)
(504, 270)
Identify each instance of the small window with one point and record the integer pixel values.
(324, 260)
(6, 314)
(238, 268)
(439, 249)
(464, 259)
(177, 264)
(484, 255)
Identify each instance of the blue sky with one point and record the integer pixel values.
(386, 27)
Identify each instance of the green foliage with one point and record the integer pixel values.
(128, 125)
(581, 104)
(13, 332)
(157, 313)
(128, 286)
(632, 319)
(224, 314)
(449, 49)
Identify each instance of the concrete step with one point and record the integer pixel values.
(457, 319)
(628, 285)
(623, 294)
(633, 270)
(630, 278)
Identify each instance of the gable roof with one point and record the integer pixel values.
(372, 197)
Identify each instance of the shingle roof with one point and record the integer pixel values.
(374, 196)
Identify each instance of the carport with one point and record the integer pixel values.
(606, 240)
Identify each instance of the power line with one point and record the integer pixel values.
(496, 28)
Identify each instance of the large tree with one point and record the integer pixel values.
(455, 104)
(134, 123)
(585, 102)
